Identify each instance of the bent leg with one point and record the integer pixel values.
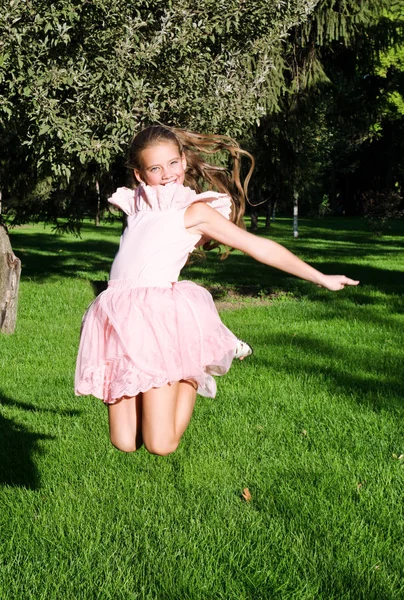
(125, 423)
(166, 414)
(185, 405)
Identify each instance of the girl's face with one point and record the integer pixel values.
(161, 164)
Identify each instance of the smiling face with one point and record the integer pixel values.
(161, 163)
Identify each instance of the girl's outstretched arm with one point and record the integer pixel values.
(201, 219)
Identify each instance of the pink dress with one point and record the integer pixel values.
(149, 329)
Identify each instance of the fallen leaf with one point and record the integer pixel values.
(246, 495)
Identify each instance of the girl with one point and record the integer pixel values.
(149, 343)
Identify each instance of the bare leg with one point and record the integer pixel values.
(185, 405)
(125, 423)
(166, 414)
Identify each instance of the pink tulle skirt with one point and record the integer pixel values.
(134, 339)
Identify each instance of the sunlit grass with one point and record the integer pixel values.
(312, 425)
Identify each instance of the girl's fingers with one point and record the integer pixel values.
(336, 283)
(348, 281)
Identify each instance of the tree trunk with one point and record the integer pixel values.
(390, 156)
(333, 191)
(10, 270)
(268, 214)
(254, 220)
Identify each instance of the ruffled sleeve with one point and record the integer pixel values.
(220, 202)
(177, 196)
(124, 198)
(167, 197)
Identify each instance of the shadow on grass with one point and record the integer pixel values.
(349, 230)
(243, 270)
(19, 444)
(372, 385)
(47, 254)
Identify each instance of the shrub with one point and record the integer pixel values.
(380, 207)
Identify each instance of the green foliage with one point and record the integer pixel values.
(77, 78)
(340, 129)
(324, 208)
(340, 20)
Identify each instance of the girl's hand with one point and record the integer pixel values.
(336, 282)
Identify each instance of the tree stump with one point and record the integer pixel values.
(10, 270)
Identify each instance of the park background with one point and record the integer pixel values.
(311, 425)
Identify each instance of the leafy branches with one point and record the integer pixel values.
(77, 78)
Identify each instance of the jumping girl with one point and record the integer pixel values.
(150, 343)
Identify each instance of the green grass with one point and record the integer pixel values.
(312, 425)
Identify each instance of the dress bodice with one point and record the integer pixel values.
(155, 244)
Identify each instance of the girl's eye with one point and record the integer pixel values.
(154, 169)
(174, 162)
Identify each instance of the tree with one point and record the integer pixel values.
(77, 78)
(338, 130)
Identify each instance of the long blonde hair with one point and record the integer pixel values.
(200, 174)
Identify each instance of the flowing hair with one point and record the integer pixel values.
(201, 174)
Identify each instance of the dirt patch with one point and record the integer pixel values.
(230, 297)
(237, 304)
(226, 298)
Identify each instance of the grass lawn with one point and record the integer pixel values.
(312, 424)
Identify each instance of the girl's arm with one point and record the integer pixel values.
(201, 219)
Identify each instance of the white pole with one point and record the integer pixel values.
(97, 216)
(296, 214)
